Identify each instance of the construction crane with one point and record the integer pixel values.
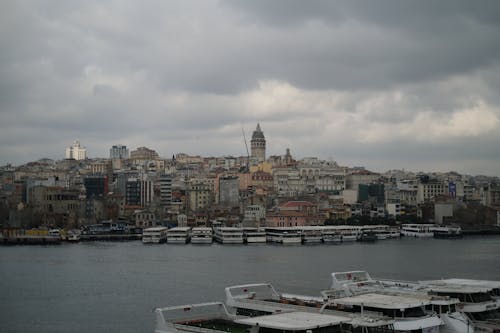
(246, 146)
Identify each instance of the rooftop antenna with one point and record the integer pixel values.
(246, 146)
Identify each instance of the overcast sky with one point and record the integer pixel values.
(383, 84)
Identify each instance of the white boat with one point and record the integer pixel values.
(360, 283)
(228, 235)
(262, 298)
(155, 235)
(418, 230)
(178, 235)
(447, 232)
(311, 235)
(73, 235)
(201, 235)
(254, 235)
(215, 318)
(383, 231)
(284, 235)
(331, 236)
(475, 301)
(494, 286)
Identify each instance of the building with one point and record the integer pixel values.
(165, 185)
(118, 152)
(76, 152)
(229, 191)
(200, 194)
(96, 186)
(258, 145)
(143, 153)
(133, 192)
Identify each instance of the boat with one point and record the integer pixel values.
(331, 236)
(475, 301)
(284, 235)
(417, 230)
(228, 235)
(447, 232)
(355, 283)
(73, 235)
(494, 286)
(154, 235)
(262, 299)
(178, 235)
(311, 235)
(215, 318)
(201, 235)
(367, 235)
(254, 235)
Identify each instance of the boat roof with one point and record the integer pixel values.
(294, 321)
(180, 229)
(202, 229)
(229, 228)
(447, 287)
(383, 301)
(155, 229)
(479, 283)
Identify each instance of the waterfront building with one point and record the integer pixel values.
(118, 152)
(133, 192)
(76, 151)
(427, 190)
(147, 191)
(258, 145)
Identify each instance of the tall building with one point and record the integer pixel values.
(258, 145)
(118, 152)
(165, 184)
(229, 191)
(76, 151)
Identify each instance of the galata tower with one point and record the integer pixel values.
(258, 145)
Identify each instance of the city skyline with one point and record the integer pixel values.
(386, 86)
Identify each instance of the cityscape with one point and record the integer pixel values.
(139, 189)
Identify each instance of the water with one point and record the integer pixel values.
(113, 287)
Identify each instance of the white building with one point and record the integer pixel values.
(76, 151)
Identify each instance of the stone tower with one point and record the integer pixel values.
(258, 145)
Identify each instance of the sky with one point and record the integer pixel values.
(411, 85)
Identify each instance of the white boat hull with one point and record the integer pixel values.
(256, 239)
(201, 240)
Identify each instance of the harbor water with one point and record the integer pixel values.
(114, 286)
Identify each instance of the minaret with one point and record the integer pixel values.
(258, 145)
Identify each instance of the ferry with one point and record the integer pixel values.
(262, 299)
(331, 236)
(447, 232)
(178, 235)
(311, 235)
(475, 301)
(346, 233)
(494, 286)
(284, 235)
(201, 235)
(360, 282)
(254, 235)
(383, 231)
(215, 318)
(155, 235)
(228, 235)
(367, 235)
(418, 230)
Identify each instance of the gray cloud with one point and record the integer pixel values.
(401, 82)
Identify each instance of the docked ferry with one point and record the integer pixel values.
(178, 235)
(254, 235)
(284, 235)
(418, 230)
(155, 235)
(228, 235)
(201, 235)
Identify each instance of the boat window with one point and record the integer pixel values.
(480, 297)
(412, 312)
